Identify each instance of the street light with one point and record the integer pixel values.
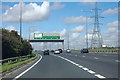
(86, 26)
(68, 39)
(20, 21)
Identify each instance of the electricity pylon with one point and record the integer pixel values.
(96, 36)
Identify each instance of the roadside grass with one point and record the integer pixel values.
(6, 67)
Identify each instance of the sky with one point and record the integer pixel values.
(62, 17)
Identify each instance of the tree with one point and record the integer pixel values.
(11, 45)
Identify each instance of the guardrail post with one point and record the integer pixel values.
(16, 60)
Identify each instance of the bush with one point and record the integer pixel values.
(11, 45)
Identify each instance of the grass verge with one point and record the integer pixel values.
(6, 67)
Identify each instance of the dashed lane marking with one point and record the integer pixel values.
(75, 55)
(104, 55)
(99, 76)
(96, 58)
(82, 67)
(117, 61)
(83, 56)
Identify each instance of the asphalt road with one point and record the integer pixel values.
(71, 65)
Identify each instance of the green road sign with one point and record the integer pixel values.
(46, 35)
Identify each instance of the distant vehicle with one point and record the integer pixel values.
(56, 52)
(60, 50)
(68, 51)
(46, 52)
(52, 50)
(84, 50)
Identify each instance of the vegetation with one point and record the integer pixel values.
(115, 48)
(6, 66)
(12, 46)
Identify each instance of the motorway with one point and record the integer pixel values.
(71, 65)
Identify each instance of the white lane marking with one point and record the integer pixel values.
(83, 56)
(90, 71)
(75, 55)
(85, 69)
(82, 67)
(96, 58)
(104, 55)
(117, 61)
(99, 76)
(28, 69)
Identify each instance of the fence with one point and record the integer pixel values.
(9, 60)
(107, 50)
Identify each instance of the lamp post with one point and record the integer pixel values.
(68, 39)
(20, 21)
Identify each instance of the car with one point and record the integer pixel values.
(56, 52)
(46, 52)
(60, 50)
(84, 50)
(68, 51)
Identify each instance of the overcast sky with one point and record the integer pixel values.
(64, 17)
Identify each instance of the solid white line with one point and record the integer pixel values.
(27, 69)
(82, 67)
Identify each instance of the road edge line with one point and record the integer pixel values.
(28, 69)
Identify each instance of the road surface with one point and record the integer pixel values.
(71, 65)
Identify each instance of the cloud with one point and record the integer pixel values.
(10, 28)
(30, 13)
(63, 32)
(80, 19)
(33, 28)
(32, 34)
(113, 24)
(110, 37)
(78, 29)
(57, 5)
(110, 11)
(89, 2)
(89, 36)
(75, 35)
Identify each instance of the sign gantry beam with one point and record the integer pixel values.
(46, 40)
